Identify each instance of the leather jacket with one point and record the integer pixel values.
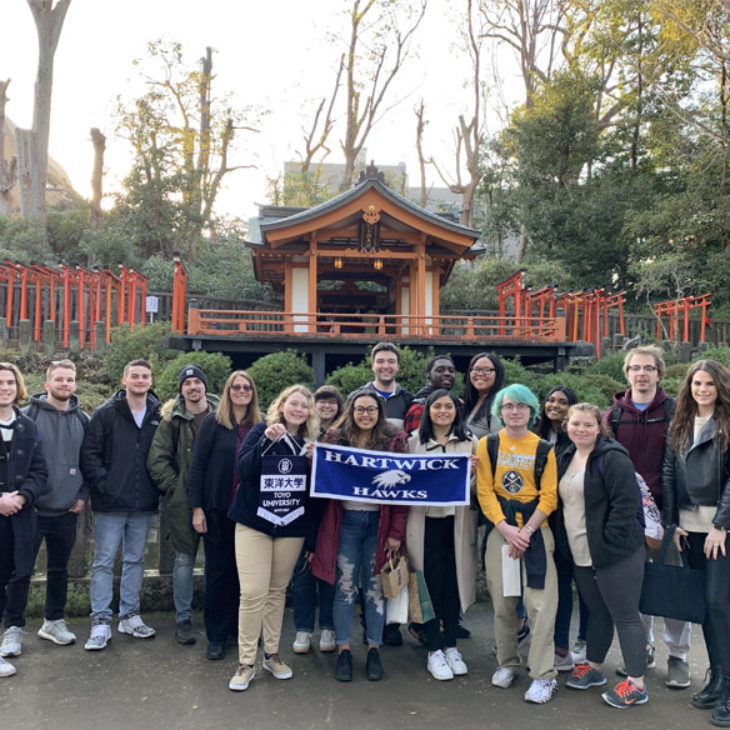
(699, 476)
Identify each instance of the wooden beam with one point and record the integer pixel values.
(312, 289)
(287, 294)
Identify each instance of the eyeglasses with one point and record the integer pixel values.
(483, 371)
(236, 388)
(644, 368)
(515, 407)
(371, 411)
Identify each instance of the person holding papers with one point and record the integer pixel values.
(517, 489)
(274, 518)
(355, 536)
(441, 540)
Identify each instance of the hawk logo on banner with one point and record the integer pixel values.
(341, 472)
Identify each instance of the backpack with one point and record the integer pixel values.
(33, 410)
(541, 455)
(648, 514)
(616, 412)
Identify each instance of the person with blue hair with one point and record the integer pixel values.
(517, 490)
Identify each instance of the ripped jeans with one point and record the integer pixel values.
(355, 563)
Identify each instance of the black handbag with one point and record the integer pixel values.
(673, 591)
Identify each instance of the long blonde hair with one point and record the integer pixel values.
(310, 428)
(224, 410)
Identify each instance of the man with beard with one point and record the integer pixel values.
(62, 424)
(169, 463)
(440, 372)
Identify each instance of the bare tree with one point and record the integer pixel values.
(420, 126)
(7, 168)
(33, 143)
(99, 142)
(468, 136)
(369, 75)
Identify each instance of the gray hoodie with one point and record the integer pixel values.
(63, 434)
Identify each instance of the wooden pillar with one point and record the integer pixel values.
(435, 294)
(421, 288)
(312, 289)
(288, 323)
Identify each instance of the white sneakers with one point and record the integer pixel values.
(242, 678)
(134, 626)
(456, 663)
(327, 640)
(12, 644)
(564, 663)
(578, 652)
(503, 677)
(101, 635)
(302, 642)
(541, 691)
(57, 632)
(6, 668)
(438, 666)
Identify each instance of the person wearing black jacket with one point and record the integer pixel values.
(696, 491)
(23, 473)
(212, 484)
(124, 499)
(271, 529)
(598, 528)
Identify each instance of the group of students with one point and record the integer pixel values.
(554, 485)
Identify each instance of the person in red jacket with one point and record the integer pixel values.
(354, 537)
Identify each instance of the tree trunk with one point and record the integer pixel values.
(99, 142)
(23, 147)
(48, 21)
(421, 159)
(7, 169)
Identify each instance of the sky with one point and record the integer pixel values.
(277, 55)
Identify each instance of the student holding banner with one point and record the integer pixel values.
(355, 536)
(275, 518)
(517, 491)
(442, 540)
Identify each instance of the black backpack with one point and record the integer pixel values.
(541, 455)
(615, 419)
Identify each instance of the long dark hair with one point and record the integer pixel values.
(425, 430)
(683, 423)
(383, 431)
(544, 425)
(471, 394)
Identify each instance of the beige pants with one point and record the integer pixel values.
(541, 605)
(265, 566)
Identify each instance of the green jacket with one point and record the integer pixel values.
(169, 468)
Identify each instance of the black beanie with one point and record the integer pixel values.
(191, 371)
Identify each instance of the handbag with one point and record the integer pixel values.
(420, 608)
(396, 609)
(673, 591)
(394, 575)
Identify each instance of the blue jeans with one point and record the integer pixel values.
(110, 530)
(355, 564)
(182, 586)
(304, 598)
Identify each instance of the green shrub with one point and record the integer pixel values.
(676, 371)
(216, 366)
(278, 370)
(516, 372)
(721, 354)
(350, 377)
(585, 390)
(147, 343)
(611, 365)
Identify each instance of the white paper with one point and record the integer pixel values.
(511, 583)
(396, 609)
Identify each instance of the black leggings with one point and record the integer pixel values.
(439, 570)
(612, 596)
(716, 626)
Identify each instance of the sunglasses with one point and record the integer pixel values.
(237, 388)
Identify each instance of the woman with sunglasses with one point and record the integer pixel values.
(442, 540)
(212, 484)
(270, 534)
(355, 537)
(696, 497)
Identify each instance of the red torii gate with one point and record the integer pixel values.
(179, 285)
(676, 307)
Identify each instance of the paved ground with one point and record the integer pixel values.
(158, 684)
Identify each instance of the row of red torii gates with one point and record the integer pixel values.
(67, 294)
(64, 295)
